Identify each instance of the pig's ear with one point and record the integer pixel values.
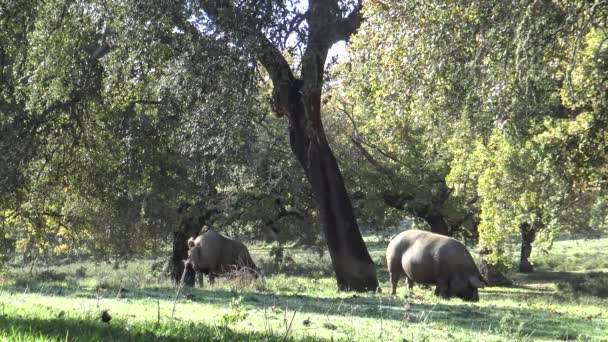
(476, 282)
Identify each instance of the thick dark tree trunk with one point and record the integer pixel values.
(495, 275)
(190, 227)
(352, 263)
(527, 237)
(176, 264)
(438, 223)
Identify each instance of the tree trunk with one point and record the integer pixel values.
(190, 227)
(437, 223)
(495, 275)
(300, 100)
(352, 263)
(527, 237)
(176, 263)
(434, 218)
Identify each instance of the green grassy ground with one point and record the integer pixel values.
(566, 299)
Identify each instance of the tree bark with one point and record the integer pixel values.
(495, 276)
(193, 218)
(190, 227)
(352, 263)
(437, 223)
(528, 234)
(177, 261)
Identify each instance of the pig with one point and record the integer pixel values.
(433, 259)
(213, 254)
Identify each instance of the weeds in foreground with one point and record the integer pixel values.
(511, 326)
(236, 314)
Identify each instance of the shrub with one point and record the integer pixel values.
(241, 278)
(50, 275)
(80, 272)
(590, 284)
(237, 313)
(510, 325)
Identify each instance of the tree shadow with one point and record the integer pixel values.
(541, 276)
(69, 329)
(533, 321)
(567, 283)
(532, 294)
(528, 321)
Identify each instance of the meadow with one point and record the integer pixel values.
(565, 299)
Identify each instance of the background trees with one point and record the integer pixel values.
(121, 121)
(128, 137)
(483, 97)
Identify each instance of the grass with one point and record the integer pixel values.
(576, 255)
(300, 303)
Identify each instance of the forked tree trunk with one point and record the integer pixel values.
(352, 263)
(300, 100)
(527, 237)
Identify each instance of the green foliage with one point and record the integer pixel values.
(277, 254)
(501, 101)
(599, 214)
(510, 325)
(479, 116)
(132, 121)
(237, 313)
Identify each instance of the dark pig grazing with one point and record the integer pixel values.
(213, 254)
(433, 259)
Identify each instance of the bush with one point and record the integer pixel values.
(590, 284)
(510, 325)
(242, 278)
(50, 275)
(80, 272)
(237, 313)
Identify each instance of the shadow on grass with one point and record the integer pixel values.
(527, 321)
(568, 283)
(532, 294)
(69, 329)
(589, 284)
(542, 276)
(303, 270)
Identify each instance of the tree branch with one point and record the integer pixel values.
(8, 107)
(386, 171)
(226, 17)
(326, 28)
(356, 140)
(349, 25)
